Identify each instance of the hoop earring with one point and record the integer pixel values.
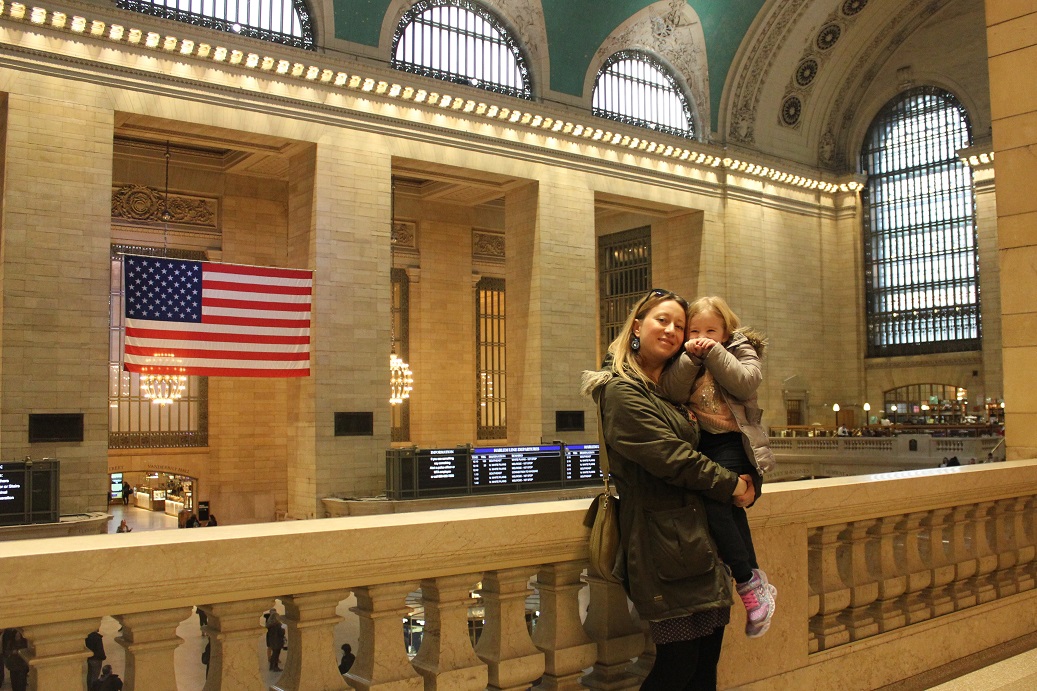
(635, 343)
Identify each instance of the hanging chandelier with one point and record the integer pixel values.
(401, 379)
(162, 381)
(162, 378)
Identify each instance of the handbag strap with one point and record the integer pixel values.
(603, 454)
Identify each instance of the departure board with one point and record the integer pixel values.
(12, 493)
(581, 462)
(442, 470)
(515, 467)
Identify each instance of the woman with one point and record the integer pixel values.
(668, 561)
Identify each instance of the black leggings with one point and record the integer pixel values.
(686, 665)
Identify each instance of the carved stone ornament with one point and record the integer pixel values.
(148, 205)
(487, 245)
(404, 234)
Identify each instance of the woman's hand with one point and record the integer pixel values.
(748, 496)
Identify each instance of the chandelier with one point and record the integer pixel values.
(401, 379)
(162, 381)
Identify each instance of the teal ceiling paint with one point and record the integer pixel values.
(576, 28)
(360, 21)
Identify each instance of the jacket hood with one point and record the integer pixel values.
(593, 381)
(756, 339)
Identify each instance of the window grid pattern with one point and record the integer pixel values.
(625, 275)
(279, 21)
(461, 42)
(134, 422)
(490, 367)
(637, 89)
(400, 308)
(921, 262)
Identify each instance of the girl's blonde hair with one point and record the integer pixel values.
(719, 307)
(624, 358)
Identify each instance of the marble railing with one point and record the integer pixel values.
(868, 569)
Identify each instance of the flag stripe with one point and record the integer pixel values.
(139, 335)
(256, 321)
(214, 287)
(254, 304)
(202, 354)
(236, 371)
(206, 319)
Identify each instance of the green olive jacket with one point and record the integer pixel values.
(668, 562)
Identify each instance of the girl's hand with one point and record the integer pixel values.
(698, 347)
(749, 496)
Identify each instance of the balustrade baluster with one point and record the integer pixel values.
(150, 640)
(914, 601)
(446, 659)
(984, 526)
(1024, 520)
(513, 662)
(963, 549)
(891, 581)
(559, 633)
(617, 637)
(813, 596)
(833, 593)
(864, 588)
(936, 551)
(1006, 546)
(233, 629)
(311, 663)
(59, 654)
(642, 666)
(381, 659)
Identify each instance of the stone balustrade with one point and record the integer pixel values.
(869, 569)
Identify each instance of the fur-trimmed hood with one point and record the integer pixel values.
(757, 339)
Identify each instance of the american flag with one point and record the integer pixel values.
(206, 319)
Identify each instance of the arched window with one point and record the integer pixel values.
(279, 21)
(920, 260)
(635, 88)
(463, 43)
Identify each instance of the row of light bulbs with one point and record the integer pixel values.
(187, 47)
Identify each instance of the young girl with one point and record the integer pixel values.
(717, 377)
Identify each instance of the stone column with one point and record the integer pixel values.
(568, 650)
(233, 629)
(381, 659)
(150, 640)
(513, 662)
(1011, 47)
(826, 580)
(59, 654)
(312, 664)
(446, 659)
(617, 636)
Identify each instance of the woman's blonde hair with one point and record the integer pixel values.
(719, 307)
(624, 358)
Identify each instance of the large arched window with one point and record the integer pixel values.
(279, 21)
(920, 258)
(635, 88)
(460, 42)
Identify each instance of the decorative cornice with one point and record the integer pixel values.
(273, 79)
